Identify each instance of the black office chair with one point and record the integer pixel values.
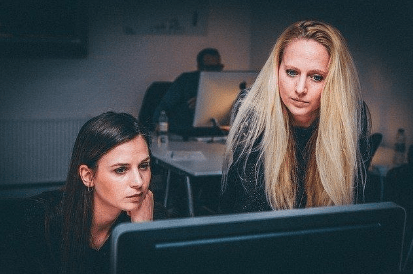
(373, 188)
(151, 100)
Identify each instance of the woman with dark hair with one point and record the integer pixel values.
(67, 230)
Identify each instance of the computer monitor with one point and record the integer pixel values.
(363, 238)
(217, 92)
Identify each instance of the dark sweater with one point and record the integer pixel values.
(245, 189)
(175, 103)
(35, 245)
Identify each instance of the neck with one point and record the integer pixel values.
(102, 223)
(100, 232)
(302, 123)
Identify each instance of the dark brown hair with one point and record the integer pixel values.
(96, 138)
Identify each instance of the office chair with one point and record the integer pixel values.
(151, 100)
(374, 188)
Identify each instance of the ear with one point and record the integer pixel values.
(86, 174)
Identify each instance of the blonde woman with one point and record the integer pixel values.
(299, 135)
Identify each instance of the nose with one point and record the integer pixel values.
(137, 180)
(301, 87)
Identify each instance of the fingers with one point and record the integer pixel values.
(144, 212)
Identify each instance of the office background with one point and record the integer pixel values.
(124, 58)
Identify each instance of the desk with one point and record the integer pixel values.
(190, 159)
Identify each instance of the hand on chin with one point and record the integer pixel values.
(144, 212)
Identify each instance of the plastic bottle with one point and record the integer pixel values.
(163, 127)
(399, 148)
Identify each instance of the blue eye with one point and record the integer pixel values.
(317, 78)
(291, 72)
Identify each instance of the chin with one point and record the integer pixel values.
(131, 206)
(300, 115)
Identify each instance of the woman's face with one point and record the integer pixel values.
(122, 177)
(301, 79)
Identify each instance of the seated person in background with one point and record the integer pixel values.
(299, 138)
(179, 101)
(68, 230)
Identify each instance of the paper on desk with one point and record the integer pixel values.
(186, 155)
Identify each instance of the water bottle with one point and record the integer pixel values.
(163, 127)
(399, 148)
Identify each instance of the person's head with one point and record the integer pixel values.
(317, 55)
(121, 177)
(108, 151)
(209, 59)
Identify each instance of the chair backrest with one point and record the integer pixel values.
(151, 100)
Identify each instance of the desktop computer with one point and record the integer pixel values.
(217, 92)
(365, 238)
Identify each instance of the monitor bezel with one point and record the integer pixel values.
(387, 217)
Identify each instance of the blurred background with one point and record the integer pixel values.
(64, 61)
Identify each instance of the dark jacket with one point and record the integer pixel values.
(35, 243)
(175, 103)
(245, 188)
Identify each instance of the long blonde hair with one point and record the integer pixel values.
(335, 161)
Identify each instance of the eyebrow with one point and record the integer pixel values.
(312, 71)
(119, 164)
(147, 159)
(318, 71)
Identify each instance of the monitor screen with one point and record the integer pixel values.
(217, 92)
(363, 238)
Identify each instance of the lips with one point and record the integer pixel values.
(135, 196)
(298, 102)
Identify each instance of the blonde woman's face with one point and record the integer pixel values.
(301, 79)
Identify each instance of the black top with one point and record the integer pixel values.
(175, 103)
(34, 245)
(245, 189)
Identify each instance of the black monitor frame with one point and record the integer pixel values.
(364, 238)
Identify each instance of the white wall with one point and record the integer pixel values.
(119, 67)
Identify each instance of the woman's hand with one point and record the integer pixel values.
(144, 212)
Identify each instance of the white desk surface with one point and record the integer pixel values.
(194, 158)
